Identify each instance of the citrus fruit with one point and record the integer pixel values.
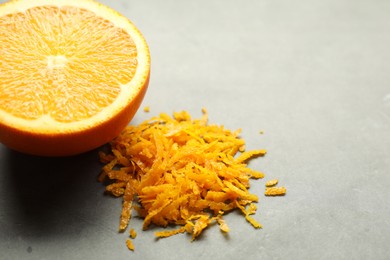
(72, 75)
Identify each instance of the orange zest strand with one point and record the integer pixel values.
(133, 233)
(181, 171)
(130, 244)
(271, 183)
(275, 191)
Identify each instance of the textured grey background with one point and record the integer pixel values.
(313, 74)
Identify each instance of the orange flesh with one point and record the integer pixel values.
(48, 50)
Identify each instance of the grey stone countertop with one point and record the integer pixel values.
(313, 75)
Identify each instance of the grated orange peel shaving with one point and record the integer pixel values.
(130, 244)
(181, 171)
(275, 191)
(271, 183)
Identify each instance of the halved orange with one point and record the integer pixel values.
(72, 75)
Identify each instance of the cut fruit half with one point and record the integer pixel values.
(72, 75)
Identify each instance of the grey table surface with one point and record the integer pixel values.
(313, 75)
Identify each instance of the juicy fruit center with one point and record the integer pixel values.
(63, 62)
(58, 61)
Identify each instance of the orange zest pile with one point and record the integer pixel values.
(180, 171)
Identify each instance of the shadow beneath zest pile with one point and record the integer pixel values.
(51, 195)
